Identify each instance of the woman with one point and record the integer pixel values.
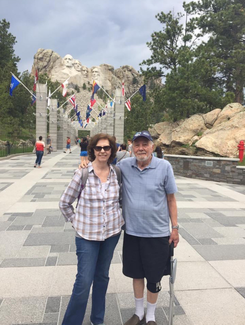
(97, 222)
(39, 145)
(158, 152)
(84, 152)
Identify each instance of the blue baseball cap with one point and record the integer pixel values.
(144, 134)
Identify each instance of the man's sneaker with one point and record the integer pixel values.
(151, 322)
(64, 151)
(134, 320)
(70, 151)
(98, 324)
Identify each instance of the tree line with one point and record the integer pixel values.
(200, 56)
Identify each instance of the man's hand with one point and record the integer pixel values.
(174, 237)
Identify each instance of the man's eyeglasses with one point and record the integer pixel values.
(99, 148)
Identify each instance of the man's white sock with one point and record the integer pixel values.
(150, 314)
(139, 307)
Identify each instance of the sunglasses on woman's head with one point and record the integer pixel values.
(99, 148)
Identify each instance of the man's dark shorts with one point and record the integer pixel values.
(145, 258)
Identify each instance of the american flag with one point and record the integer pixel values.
(72, 100)
(128, 104)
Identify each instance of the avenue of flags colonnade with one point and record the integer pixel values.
(110, 120)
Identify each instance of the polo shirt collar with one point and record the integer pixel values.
(152, 165)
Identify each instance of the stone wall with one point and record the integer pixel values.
(208, 168)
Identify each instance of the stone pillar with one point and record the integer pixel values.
(41, 113)
(60, 132)
(65, 126)
(119, 116)
(110, 121)
(53, 123)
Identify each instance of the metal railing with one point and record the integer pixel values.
(11, 149)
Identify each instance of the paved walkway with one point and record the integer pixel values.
(38, 262)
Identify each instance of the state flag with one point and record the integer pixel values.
(123, 89)
(142, 92)
(13, 84)
(128, 104)
(64, 91)
(92, 102)
(94, 89)
(35, 81)
(33, 99)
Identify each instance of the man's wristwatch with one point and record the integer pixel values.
(175, 227)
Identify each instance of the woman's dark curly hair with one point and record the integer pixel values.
(93, 142)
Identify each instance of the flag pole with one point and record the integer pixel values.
(23, 85)
(58, 87)
(133, 94)
(66, 101)
(105, 92)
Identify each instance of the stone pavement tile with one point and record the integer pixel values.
(23, 221)
(4, 225)
(229, 221)
(27, 281)
(33, 252)
(51, 318)
(67, 259)
(198, 275)
(52, 221)
(112, 314)
(23, 262)
(63, 278)
(219, 306)
(189, 238)
(200, 230)
(53, 305)
(207, 241)
(44, 230)
(4, 185)
(234, 213)
(230, 241)
(231, 271)
(15, 227)
(221, 252)
(63, 306)
(59, 248)
(233, 232)
(51, 261)
(196, 215)
(15, 241)
(240, 290)
(49, 239)
(186, 253)
(22, 310)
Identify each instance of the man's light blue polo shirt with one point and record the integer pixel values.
(144, 199)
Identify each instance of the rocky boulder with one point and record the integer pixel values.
(228, 112)
(215, 133)
(193, 126)
(223, 138)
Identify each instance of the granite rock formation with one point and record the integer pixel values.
(215, 133)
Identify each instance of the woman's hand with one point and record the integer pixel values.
(83, 165)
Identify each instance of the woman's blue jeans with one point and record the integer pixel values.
(39, 157)
(94, 259)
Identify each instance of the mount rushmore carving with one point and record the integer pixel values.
(60, 69)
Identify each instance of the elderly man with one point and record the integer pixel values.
(148, 206)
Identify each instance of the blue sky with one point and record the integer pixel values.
(92, 31)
